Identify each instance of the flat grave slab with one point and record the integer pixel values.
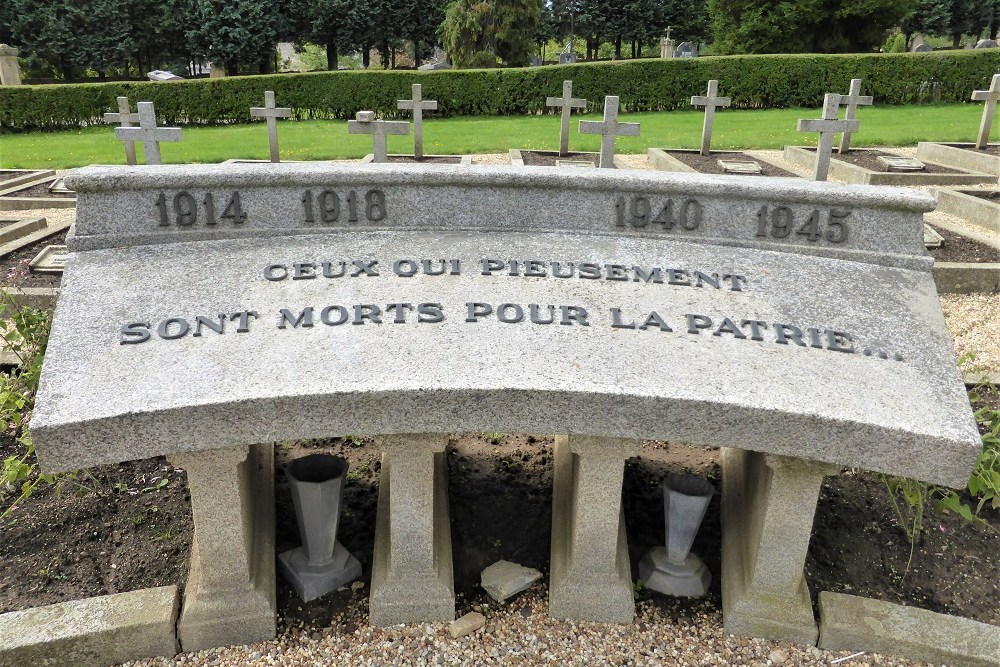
(962, 156)
(691, 161)
(863, 166)
(52, 259)
(413, 299)
(979, 207)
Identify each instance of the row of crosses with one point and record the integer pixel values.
(609, 128)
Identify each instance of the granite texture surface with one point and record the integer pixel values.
(615, 349)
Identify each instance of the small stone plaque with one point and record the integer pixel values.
(58, 187)
(50, 260)
(740, 166)
(894, 163)
(931, 238)
(584, 164)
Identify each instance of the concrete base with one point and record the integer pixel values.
(688, 579)
(768, 504)
(412, 590)
(849, 173)
(92, 632)
(961, 156)
(311, 581)
(967, 277)
(517, 160)
(25, 177)
(370, 158)
(980, 212)
(229, 598)
(590, 578)
(852, 623)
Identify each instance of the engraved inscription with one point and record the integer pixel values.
(183, 210)
(329, 206)
(638, 212)
(779, 222)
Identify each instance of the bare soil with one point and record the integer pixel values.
(433, 159)
(958, 248)
(868, 159)
(548, 158)
(710, 164)
(9, 174)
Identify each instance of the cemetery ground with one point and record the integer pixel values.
(324, 140)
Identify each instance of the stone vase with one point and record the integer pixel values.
(673, 569)
(321, 564)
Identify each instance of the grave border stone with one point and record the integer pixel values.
(27, 178)
(805, 156)
(964, 204)
(960, 156)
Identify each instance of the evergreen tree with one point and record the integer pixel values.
(236, 32)
(929, 17)
(476, 30)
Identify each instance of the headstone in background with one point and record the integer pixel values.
(986, 44)
(921, 48)
(536, 61)
(272, 114)
(148, 134)
(125, 118)
(917, 43)
(686, 50)
(609, 128)
(990, 96)
(567, 102)
(667, 45)
(710, 101)
(851, 100)
(216, 71)
(827, 126)
(417, 104)
(364, 123)
(160, 75)
(10, 71)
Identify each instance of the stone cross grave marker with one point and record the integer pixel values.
(609, 129)
(364, 123)
(827, 126)
(417, 104)
(487, 301)
(148, 134)
(272, 114)
(125, 118)
(851, 100)
(990, 96)
(567, 103)
(710, 101)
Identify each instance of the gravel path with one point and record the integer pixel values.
(667, 631)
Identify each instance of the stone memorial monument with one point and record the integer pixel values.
(364, 123)
(609, 129)
(10, 70)
(148, 133)
(567, 103)
(666, 45)
(417, 105)
(851, 100)
(272, 114)
(209, 311)
(710, 100)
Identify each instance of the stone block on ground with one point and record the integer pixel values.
(467, 624)
(92, 632)
(504, 579)
(854, 623)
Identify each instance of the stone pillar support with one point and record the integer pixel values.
(768, 505)
(591, 578)
(10, 70)
(229, 597)
(412, 576)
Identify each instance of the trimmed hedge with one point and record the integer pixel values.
(755, 81)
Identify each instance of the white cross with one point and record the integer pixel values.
(272, 113)
(851, 100)
(990, 97)
(710, 101)
(827, 126)
(125, 117)
(609, 128)
(148, 134)
(568, 103)
(417, 104)
(365, 123)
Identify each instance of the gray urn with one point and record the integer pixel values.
(321, 564)
(673, 569)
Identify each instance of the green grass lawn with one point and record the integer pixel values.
(318, 140)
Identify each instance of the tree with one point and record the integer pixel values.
(688, 20)
(968, 17)
(928, 17)
(501, 29)
(823, 26)
(47, 31)
(236, 32)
